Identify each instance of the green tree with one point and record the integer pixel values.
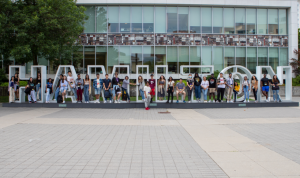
(40, 28)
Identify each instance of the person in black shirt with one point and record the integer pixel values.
(106, 88)
(197, 83)
(16, 85)
(57, 87)
(38, 87)
(275, 88)
(31, 86)
(116, 87)
(264, 84)
(212, 87)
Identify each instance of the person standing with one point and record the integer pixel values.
(16, 85)
(98, 85)
(180, 87)
(11, 90)
(31, 95)
(116, 87)
(107, 90)
(264, 84)
(212, 87)
(49, 90)
(71, 82)
(125, 87)
(64, 87)
(221, 87)
(152, 86)
(205, 86)
(197, 84)
(236, 90)
(170, 89)
(38, 87)
(79, 87)
(147, 91)
(87, 88)
(57, 87)
(161, 87)
(254, 86)
(190, 86)
(229, 85)
(275, 88)
(246, 88)
(141, 85)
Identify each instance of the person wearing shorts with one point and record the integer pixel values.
(152, 86)
(264, 83)
(212, 87)
(64, 87)
(98, 86)
(180, 89)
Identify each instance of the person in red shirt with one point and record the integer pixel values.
(152, 86)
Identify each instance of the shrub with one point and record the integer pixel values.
(296, 81)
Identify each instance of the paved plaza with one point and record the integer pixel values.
(200, 143)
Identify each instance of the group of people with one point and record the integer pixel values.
(112, 89)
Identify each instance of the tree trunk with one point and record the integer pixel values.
(35, 60)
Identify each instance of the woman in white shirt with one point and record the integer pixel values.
(63, 87)
(246, 88)
(204, 86)
(170, 89)
(147, 91)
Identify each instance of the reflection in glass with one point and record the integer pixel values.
(124, 19)
(124, 55)
(218, 20)
(229, 20)
(283, 57)
(113, 57)
(263, 58)
(160, 55)
(183, 57)
(262, 21)
(89, 25)
(172, 59)
(195, 16)
(113, 19)
(101, 56)
(274, 58)
(206, 57)
(241, 56)
(251, 59)
(172, 19)
(240, 20)
(160, 20)
(206, 20)
(251, 21)
(136, 57)
(282, 22)
(273, 21)
(229, 58)
(183, 18)
(136, 19)
(89, 57)
(148, 56)
(195, 58)
(218, 58)
(148, 19)
(101, 14)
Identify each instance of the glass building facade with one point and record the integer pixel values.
(178, 35)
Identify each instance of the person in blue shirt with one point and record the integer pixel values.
(98, 86)
(49, 89)
(11, 90)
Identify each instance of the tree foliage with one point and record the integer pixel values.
(40, 28)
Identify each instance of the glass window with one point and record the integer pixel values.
(148, 18)
(113, 57)
(274, 58)
(89, 26)
(101, 56)
(160, 20)
(241, 57)
(206, 57)
(148, 55)
(206, 20)
(218, 58)
(136, 19)
(136, 57)
(113, 19)
(183, 57)
(101, 14)
(283, 57)
(171, 19)
(218, 20)
(251, 21)
(172, 59)
(160, 55)
(263, 57)
(229, 20)
(252, 59)
(183, 19)
(262, 21)
(282, 22)
(273, 21)
(195, 58)
(124, 55)
(124, 19)
(229, 57)
(240, 20)
(89, 57)
(195, 16)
